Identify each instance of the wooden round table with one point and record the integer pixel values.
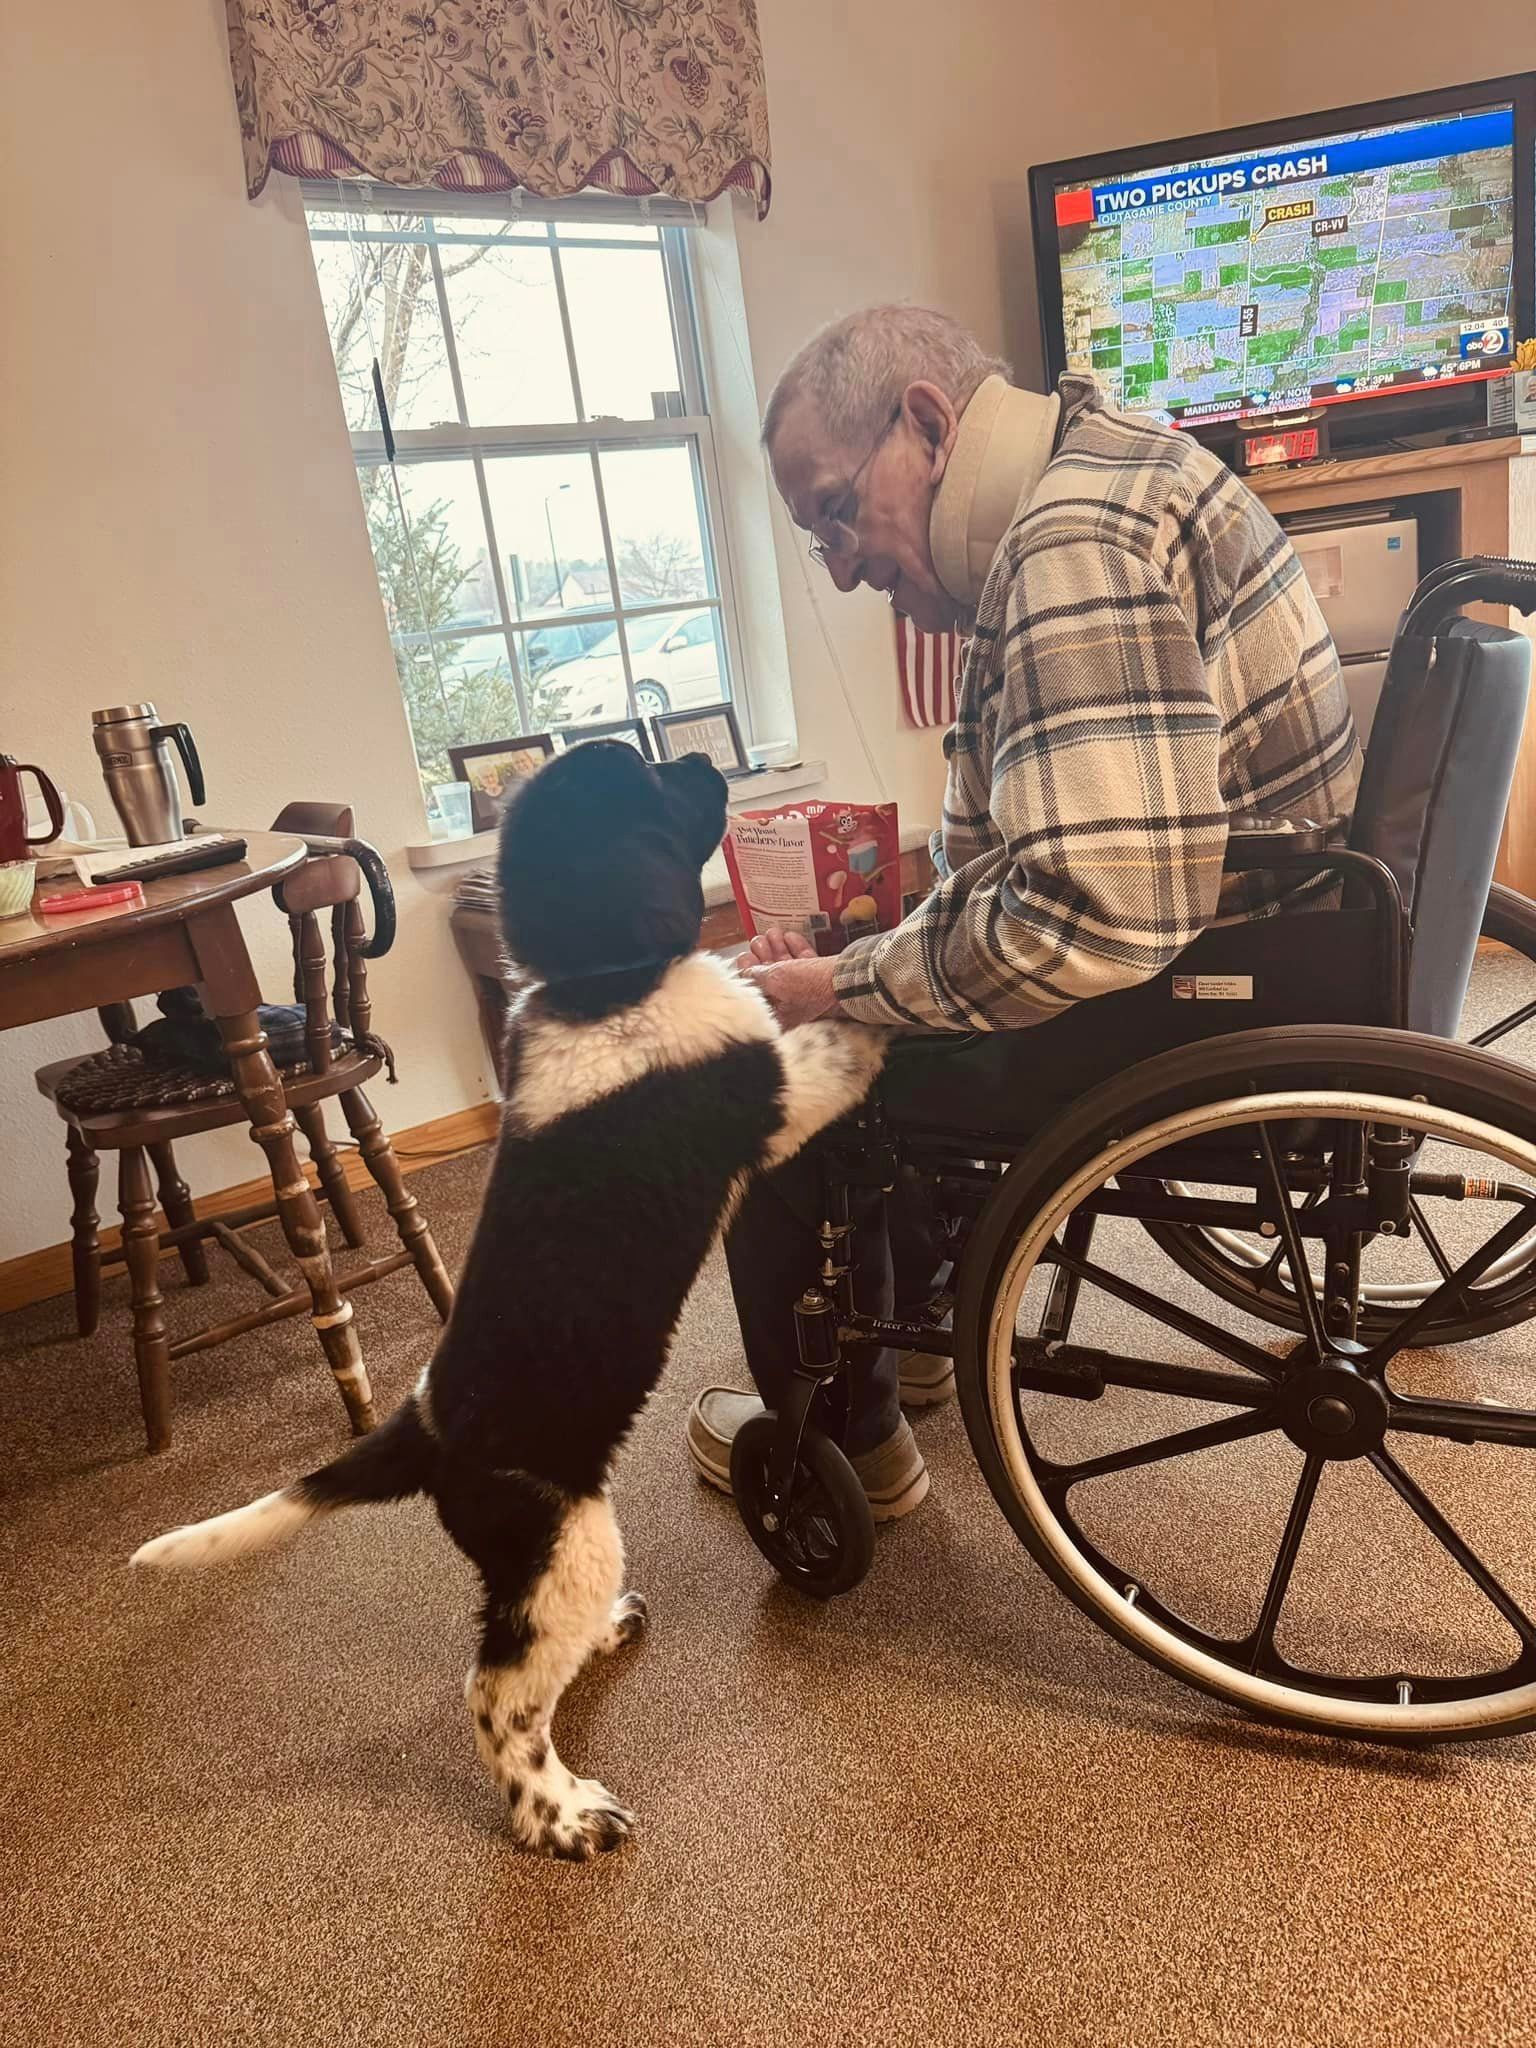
(186, 931)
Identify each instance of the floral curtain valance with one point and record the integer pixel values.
(631, 96)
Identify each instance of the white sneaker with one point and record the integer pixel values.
(926, 1379)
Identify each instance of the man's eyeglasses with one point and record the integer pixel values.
(837, 534)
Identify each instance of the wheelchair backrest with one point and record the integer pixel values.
(1434, 789)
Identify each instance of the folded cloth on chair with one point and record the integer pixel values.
(184, 1035)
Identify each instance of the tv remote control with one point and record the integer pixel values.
(186, 860)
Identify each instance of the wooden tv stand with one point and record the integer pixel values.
(1476, 499)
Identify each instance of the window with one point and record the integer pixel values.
(546, 534)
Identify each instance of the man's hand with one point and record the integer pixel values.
(781, 946)
(796, 984)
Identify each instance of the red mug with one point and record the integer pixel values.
(14, 843)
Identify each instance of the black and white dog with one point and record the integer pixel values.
(646, 1084)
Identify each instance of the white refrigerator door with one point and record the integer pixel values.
(1363, 680)
(1362, 577)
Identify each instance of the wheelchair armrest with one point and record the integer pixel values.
(1252, 842)
(1301, 846)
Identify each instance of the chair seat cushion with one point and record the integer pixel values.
(120, 1079)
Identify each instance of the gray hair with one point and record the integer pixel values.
(854, 372)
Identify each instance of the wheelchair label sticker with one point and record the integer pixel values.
(1213, 988)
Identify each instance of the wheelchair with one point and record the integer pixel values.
(1339, 1203)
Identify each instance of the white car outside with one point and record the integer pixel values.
(676, 664)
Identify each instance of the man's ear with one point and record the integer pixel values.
(934, 420)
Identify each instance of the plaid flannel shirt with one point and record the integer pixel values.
(1148, 661)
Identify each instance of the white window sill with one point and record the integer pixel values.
(768, 787)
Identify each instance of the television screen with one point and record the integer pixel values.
(1316, 271)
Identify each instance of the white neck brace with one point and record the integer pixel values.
(1000, 453)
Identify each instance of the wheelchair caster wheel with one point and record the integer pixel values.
(822, 1539)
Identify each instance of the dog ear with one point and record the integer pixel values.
(697, 791)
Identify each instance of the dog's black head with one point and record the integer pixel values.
(600, 859)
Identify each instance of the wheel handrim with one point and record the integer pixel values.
(1441, 1706)
(1508, 1289)
(1518, 1263)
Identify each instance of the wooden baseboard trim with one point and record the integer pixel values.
(37, 1276)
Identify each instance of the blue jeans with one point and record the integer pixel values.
(773, 1254)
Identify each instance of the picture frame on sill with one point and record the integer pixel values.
(712, 732)
(631, 730)
(492, 767)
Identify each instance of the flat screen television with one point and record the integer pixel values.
(1380, 253)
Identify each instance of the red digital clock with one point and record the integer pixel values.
(1281, 446)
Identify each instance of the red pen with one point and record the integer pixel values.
(91, 899)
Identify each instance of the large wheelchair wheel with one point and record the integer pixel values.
(1332, 1533)
(1247, 1271)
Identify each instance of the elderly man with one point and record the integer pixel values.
(1146, 661)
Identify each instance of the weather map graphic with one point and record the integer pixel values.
(1244, 284)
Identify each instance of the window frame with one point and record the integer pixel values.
(420, 448)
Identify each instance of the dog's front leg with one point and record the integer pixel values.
(533, 1645)
(829, 1068)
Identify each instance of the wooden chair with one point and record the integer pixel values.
(119, 1100)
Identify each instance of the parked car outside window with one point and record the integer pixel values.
(677, 667)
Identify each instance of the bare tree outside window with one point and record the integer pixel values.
(544, 533)
(661, 566)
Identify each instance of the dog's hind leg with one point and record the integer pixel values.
(626, 1623)
(537, 1636)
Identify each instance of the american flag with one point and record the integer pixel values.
(930, 673)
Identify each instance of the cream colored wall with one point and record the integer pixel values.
(178, 519)
(1334, 56)
(902, 136)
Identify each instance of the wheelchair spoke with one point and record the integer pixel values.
(1295, 1249)
(1409, 1491)
(1463, 1422)
(1505, 1025)
(1230, 1429)
(1222, 1342)
(1452, 1292)
(1277, 1257)
(1285, 1562)
(1431, 1242)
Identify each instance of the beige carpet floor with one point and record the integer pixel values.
(245, 1807)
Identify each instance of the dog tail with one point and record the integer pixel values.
(392, 1463)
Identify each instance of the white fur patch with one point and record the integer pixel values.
(829, 1068)
(573, 1610)
(259, 1526)
(572, 1604)
(699, 1008)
